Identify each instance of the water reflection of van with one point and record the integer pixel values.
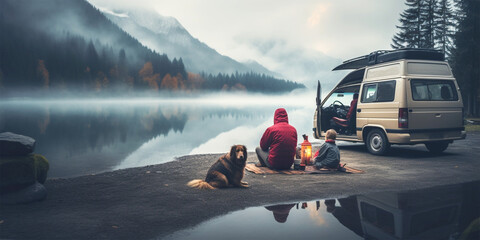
(421, 214)
(406, 96)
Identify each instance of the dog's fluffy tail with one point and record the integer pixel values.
(200, 184)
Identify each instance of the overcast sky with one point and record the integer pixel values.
(339, 28)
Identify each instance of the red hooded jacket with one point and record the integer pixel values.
(281, 139)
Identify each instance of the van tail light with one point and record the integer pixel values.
(403, 118)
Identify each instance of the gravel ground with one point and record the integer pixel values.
(154, 201)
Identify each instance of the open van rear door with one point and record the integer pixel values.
(317, 120)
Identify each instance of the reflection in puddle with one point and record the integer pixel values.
(446, 212)
(280, 212)
(304, 220)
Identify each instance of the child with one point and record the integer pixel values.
(329, 154)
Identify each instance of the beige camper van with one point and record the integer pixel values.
(406, 96)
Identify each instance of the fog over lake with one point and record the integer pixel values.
(88, 136)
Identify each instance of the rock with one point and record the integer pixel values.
(12, 144)
(41, 168)
(20, 171)
(32, 193)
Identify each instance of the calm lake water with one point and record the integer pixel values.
(88, 136)
(446, 212)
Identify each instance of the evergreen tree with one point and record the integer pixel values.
(465, 59)
(93, 60)
(410, 25)
(427, 23)
(417, 29)
(444, 27)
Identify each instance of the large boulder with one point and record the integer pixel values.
(12, 144)
(31, 193)
(17, 172)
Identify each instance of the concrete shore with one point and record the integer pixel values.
(154, 201)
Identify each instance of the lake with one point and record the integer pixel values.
(89, 136)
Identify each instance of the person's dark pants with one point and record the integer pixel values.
(262, 157)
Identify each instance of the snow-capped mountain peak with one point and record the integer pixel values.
(111, 12)
(166, 35)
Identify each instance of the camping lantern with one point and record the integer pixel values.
(306, 151)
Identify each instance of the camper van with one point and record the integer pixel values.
(405, 96)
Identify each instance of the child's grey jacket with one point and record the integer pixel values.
(328, 156)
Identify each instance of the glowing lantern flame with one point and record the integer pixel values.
(306, 151)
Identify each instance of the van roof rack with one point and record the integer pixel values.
(383, 56)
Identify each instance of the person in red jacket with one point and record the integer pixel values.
(278, 144)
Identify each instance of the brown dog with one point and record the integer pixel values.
(227, 171)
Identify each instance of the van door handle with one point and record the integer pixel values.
(359, 110)
(410, 110)
(438, 115)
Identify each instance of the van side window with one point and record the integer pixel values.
(433, 90)
(369, 93)
(379, 92)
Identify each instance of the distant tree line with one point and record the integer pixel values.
(247, 82)
(454, 28)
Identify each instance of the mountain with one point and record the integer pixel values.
(70, 45)
(166, 35)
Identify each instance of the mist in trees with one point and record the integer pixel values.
(247, 82)
(37, 52)
(70, 46)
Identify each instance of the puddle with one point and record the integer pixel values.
(446, 212)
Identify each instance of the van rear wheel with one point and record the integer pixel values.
(437, 147)
(377, 142)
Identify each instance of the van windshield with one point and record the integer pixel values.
(344, 97)
(433, 90)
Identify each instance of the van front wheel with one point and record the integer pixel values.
(377, 142)
(437, 147)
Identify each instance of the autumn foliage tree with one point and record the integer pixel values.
(101, 81)
(194, 81)
(238, 87)
(43, 74)
(148, 76)
(169, 83)
(173, 83)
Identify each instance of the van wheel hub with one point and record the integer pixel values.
(376, 142)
